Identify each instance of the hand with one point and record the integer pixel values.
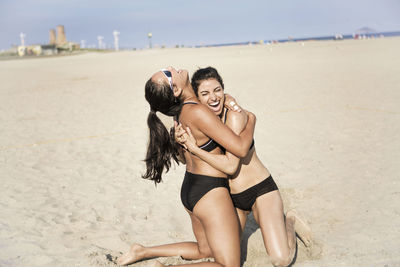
(185, 137)
(190, 141)
(231, 104)
(180, 134)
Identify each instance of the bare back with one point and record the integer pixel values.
(194, 163)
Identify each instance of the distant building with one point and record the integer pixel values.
(37, 50)
(338, 36)
(61, 38)
(364, 32)
(57, 43)
(52, 37)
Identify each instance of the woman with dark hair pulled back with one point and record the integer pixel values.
(205, 190)
(162, 146)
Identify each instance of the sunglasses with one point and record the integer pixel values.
(168, 74)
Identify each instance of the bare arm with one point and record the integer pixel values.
(205, 121)
(227, 163)
(231, 103)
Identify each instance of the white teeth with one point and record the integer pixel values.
(214, 104)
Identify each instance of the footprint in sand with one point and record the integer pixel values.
(99, 256)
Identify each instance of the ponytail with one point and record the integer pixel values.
(161, 147)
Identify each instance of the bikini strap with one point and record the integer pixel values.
(189, 102)
(226, 115)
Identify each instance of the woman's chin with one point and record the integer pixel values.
(216, 110)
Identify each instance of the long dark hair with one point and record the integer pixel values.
(205, 74)
(162, 146)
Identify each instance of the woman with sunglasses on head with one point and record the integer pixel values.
(205, 190)
(251, 185)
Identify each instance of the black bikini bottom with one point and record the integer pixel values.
(246, 199)
(195, 186)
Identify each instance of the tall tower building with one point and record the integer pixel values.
(61, 39)
(52, 37)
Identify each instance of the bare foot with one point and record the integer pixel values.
(304, 232)
(157, 264)
(302, 229)
(135, 253)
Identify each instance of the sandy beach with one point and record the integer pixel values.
(73, 139)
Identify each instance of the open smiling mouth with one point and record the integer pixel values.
(214, 104)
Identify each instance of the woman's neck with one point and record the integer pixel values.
(188, 95)
(191, 99)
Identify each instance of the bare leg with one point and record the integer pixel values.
(302, 229)
(187, 250)
(242, 218)
(216, 228)
(135, 253)
(278, 234)
(221, 226)
(200, 264)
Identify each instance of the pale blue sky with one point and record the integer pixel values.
(190, 22)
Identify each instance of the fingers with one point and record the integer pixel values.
(182, 139)
(180, 134)
(190, 139)
(189, 131)
(234, 106)
(230, 103)
(179, 129)
(189, 134)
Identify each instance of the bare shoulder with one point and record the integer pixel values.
(199, 110)
(236, 120)
(198, 113)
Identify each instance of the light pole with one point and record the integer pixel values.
(22, 37)
(116, 40)
(100, 40)
(149, 35)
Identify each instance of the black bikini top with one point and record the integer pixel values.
(210, 145)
